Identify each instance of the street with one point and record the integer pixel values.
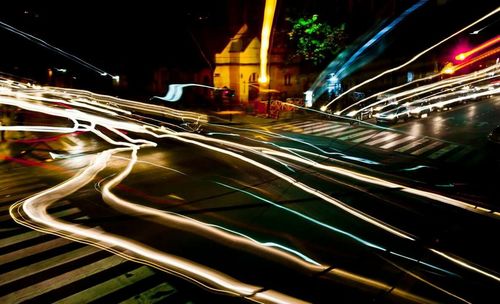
(295, 211)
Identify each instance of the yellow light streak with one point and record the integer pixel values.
(267, 25)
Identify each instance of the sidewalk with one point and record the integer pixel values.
(252, 119)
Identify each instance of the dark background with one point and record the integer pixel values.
(134, 39)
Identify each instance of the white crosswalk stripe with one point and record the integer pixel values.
(332, 131)
(343, 133)
(427, 148)
(355, 135)
(460, 154)
(36, 265)
(100, 290)
(299, 126)
(397, 142)
(386, 140)
(412, 145)
(382, 139)
(323, 128)
(35, 249)
(308, 127)
(61, 280)
(45, 264)
(442, 151)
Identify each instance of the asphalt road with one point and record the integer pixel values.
(467, 124)
(238, 211)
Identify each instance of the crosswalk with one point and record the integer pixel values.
(386, 140)
(39, 268)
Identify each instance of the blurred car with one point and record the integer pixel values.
(360, 114)
(382, 107)
(393, 115)
(420, 108)
(494, 135)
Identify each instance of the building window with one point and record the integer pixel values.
(288, 79)
(217, 75)
(253, 77)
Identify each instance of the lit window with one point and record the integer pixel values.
(288, 79)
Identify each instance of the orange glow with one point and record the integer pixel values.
(473, 60)
(448, 69)
(463, 56)
(265, 37)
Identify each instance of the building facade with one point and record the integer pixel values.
(238, 68)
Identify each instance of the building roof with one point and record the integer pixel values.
(241, 40)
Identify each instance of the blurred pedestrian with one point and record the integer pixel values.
(5, 120)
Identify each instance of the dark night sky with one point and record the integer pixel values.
(139, 35)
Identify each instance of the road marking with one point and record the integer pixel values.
(382, 139)
(98, 291)
(19, 238)
(364, 138)
(302, 125)
(426, 148)
(355, 130)
(329, 127)
(442, 151)
(331, 131)
(307, 127)
(460, 154)
(412, 145)
(33, 234)
(351, 136)
(397, 142)
(61, 280)
(28, 251)
(51, 262)
(153, 295)
(288, 124)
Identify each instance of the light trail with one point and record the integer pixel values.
(432, 87)
(56, 49)
(35, 207)
(387, 91)
(466, 264)
(340, 71)
(464, 55)
(288, 179)
(323, 108)
(378, 36)
(175, 91)
(267, 25)
(489, 53)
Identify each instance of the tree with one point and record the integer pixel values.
(315, 41)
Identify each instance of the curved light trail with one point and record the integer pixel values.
(108, 113)
(325, 107)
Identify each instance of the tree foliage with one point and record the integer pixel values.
(314, 41)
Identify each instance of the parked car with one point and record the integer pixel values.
(383, 107)
(420, 108)
(393, 115)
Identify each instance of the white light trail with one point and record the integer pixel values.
(412, 59)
